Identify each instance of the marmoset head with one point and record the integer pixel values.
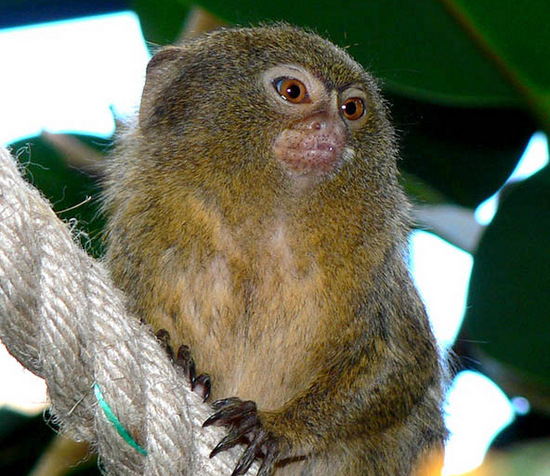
(274, 100)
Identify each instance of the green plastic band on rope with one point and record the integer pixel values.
(115, 421)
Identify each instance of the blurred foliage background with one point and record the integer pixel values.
(468, 82)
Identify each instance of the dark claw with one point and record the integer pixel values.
(186, 362)
(248, 457)
(202, 386)
(236, 436)
(202, 383)
(271, 453)
(245, 426)
(164, 337)
(219, 404)
(230, 409)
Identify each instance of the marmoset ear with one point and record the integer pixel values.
(159, 67)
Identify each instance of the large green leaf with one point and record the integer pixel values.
(513, 35)
(161, 21)
(73, 194)
(508, 303)
(22, 440)
(466, 154)
(417, 48)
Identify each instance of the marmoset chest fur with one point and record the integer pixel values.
(255, 214)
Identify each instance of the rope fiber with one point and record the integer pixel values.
(63, 319)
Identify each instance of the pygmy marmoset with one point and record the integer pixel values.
(255, 214)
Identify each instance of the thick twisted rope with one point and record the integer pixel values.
(62, 318)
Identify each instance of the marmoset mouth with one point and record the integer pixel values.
(305, 150)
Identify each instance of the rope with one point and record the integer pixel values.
(63, 319)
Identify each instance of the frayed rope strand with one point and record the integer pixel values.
(62, 317)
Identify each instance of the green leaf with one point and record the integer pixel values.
(513, 36)
(417, 48)
(465, 154)
(161, 21)
(508, 305)
(531, 458)
(22, 440)
(73, 194)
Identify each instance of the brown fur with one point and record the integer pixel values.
(291, 291)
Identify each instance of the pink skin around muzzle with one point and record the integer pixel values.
(313, 144)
